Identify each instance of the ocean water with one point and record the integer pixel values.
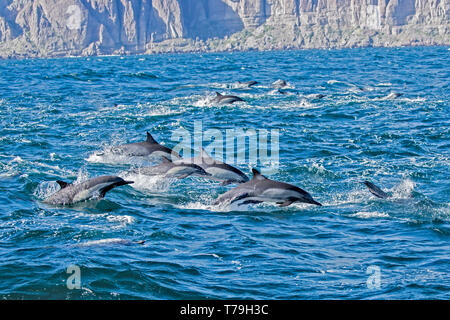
(57, 114)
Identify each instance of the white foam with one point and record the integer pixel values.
(403, 190)
(46, 189)
(369, 214)
(122, 220)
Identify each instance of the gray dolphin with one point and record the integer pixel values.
(216, 169)
(150, 147)
(376, 191)
(315, 96)
(112, 242)
(248, 84)
(261, 189)
(225, 99)
(279, 84)
(392, 95)
(92, 188)
(168, 168)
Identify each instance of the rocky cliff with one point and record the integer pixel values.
(30, 28)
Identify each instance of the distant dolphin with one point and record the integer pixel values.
(112, 241)
(279, 84)
(168, 168)
(216, 169)
(248, 84)
(376, 191)
(225, 99)
(392, 95)
(315, 96)
(261, 189)
(146, 148)
(95, 187)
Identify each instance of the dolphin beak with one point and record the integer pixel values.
(128, 182)
(315, 202)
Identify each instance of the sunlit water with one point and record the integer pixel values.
(57, 114)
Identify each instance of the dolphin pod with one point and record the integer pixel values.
(258, 189)
(249, 191)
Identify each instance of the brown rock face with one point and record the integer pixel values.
(90, 27)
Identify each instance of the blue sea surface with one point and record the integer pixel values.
(57, 115)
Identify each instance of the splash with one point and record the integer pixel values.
(404, 190)
(369, 214)
(155, 184)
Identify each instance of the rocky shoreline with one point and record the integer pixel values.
(49, 28)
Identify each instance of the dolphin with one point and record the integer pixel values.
(217, 170)
(168, 168)
(279, 84)
(261, 189)
(112, 241)
(376, 191)
(315, 96)
(392, 95)
(150, 147)
(248, 84)
(225, 99)
(92, 188)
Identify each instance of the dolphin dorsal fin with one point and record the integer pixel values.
(218, 94)
(62, 184)
(257, 174)
(150, 138)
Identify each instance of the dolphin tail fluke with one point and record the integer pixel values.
(376, 191)
(114, 185)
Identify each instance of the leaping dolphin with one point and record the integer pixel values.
(216, 169)
(168, 168)
(225, 99)
(92, 188)
(392, 95)
(376, 191)
(279, 84)
(248, 84)
(150, 147)
(315, 96)
(261, 189)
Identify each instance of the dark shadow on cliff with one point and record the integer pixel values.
(208, 19)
